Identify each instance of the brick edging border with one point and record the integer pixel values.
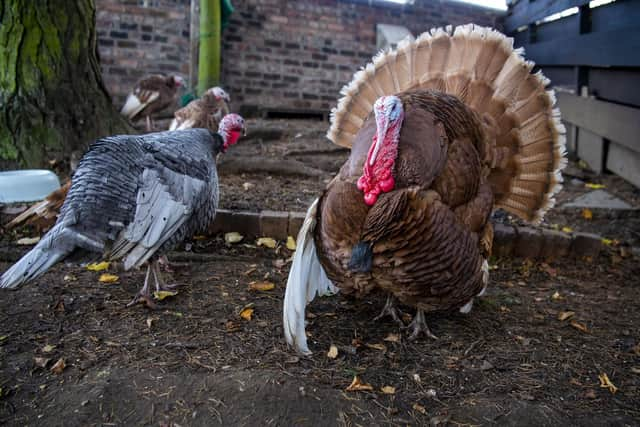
(509, 240)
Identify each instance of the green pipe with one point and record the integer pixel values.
(209, 52)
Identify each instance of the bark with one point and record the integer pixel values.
(52, 98)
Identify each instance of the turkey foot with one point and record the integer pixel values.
(143, 295)
(160, 283)
(390, 310)
(419, 325)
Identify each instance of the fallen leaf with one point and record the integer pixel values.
(416, 378)
(279, 263)
(4, 337)
(108, 278)
(266, 241)
(231, 326)
(564, 315)
(605, 382)
(28, 241)
(41, 362)
(590, 394)
(149, 322)
(291, 243)
(549, 270)
(333, 352)
(48, 348)
(233, 237)
(607, 242)
(579, 326)
(556, 296)
(567, 229)
(635, 369)
(380, 347)
(199, 237)
(392, 338)
(388, 389)
(248, 186)
(261, 286)
(246, 313)
(69, 278)
(587, 214)
(58, 367)
(99, 266)
(419, 408)
(358, 385)
(177, 314)
(582, 164)
(160, 295)
(594, 186)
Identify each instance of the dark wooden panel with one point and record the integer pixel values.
(612, 121)
(622, 86)
(602, 49)
(558, 29)
(525, 12)
(612, 16)
(560, 76)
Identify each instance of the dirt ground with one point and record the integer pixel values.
(196, 361)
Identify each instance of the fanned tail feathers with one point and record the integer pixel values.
(306, 279)
(479, 66)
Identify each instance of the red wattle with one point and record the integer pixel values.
(370, 198)
(362, 183)
(387, 185)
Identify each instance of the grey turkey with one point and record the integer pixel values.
(134, 198)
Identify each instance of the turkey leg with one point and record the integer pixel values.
(418, 325)
(390, 309)
(144, 294)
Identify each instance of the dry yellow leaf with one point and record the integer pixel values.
(594, 186)
(233, 237)
(392, 338)
(388, 389)
(587, 214)
(58, 367)
(605, 382)
(69, 278)
(261, 286)
(635, 369)
(567, 229)
(564, 315)
(420, 408)
(579, 326)
(556, 296)
(199, 237)
(266, 241)
(98, 266)
(48, 348)
(358, 385)
(291, 243)
(333, 352)
(380, 347)
(160, 295)
(28, 241)
(246, 313)
(108, 278)
(609, 242)
(41, 362)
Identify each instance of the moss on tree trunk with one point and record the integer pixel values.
(52, 98)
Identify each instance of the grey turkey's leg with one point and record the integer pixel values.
(419, 325)
(160, 283)
(390, 310)
(144, 294)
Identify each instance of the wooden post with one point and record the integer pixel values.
(193, 45)
(209, 58)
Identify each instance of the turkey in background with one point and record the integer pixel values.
(204, 112)
(151, 95)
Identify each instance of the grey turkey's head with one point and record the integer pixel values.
(230, 128)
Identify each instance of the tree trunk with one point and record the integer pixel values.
(52, 98)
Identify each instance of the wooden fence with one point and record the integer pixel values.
(593, 58)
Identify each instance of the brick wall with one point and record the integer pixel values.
(140, 37)
(276, 54)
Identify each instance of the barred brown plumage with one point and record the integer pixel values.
(409, 211)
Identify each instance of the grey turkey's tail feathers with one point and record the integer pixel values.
(479, 66)
(53, 247)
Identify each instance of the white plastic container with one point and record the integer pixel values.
(27, 185)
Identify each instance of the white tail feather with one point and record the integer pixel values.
(306, 279)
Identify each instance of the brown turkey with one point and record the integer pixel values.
(151, 95)
(442, 131)
(205, 112)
